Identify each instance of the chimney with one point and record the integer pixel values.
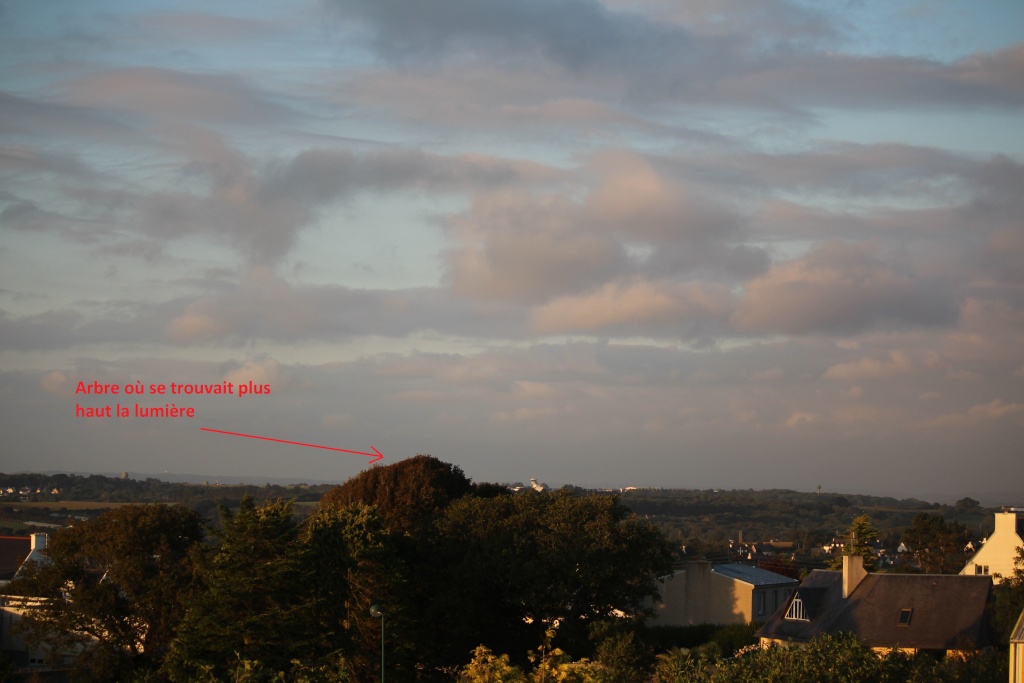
(38, 542)
(853, 573)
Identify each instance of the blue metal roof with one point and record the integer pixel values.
(752, 575)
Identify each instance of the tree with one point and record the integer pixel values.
(116, 585)
(858, 542)
(504, 570)
(937, 546)
(251, 606)
(487, 667)
(280, 598)
(407, 494)
(351, 562)
(1009, 598)
(967, 506)
(780, 565)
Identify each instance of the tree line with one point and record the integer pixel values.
(467, 581)
(154, 592)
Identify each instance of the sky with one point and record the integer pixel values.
(704, 244)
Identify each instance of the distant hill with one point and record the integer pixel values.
(806, 519)
(714, 516)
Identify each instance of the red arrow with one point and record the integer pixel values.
(376, 455)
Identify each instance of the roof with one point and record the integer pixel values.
(1017, 636)
(945, 610)
(13, 551)
(752, 575)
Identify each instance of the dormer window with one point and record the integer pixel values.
(797, 611)
(905, 615)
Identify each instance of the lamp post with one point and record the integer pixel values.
(377, 613)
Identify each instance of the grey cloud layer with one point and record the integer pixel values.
(621, 229)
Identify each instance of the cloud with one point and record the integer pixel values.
(670, 306)
(516, 246)
(981, 414)
(57, 383)
(838, 288)
(575, 34)
(260, 208)
(715, 60)
(261, 371)
(164, 94)
(894, 366)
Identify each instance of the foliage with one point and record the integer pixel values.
(714, 517)
(252, 605)
(97, 487)
(116, 585)
(735, 637)
(936, 546)
(1008, 597)
(487, 667)
(858, 542)
(351, 563)
(502, 570)
(967, 505)
(276, 593)
(780, 565)
(829, 659)
(406, 494)
(625, 656)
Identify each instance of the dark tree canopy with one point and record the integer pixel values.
(119, 582)
(406, 494)
(278, 595)
(250, 606)
(937, 546)
(504, 569)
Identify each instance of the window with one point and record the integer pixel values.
(905, 614)
(981, 569)
(760, 603)
(797, 611)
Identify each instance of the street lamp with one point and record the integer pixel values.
(377, 613)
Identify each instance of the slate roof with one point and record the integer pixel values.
(947, 610)
(755, 576)
(13, 551)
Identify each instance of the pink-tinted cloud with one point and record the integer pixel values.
(837, 288)
(633, 305)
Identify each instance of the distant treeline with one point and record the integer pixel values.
(100, 488)
(686, 516)
(806, 519)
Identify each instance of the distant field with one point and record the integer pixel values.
(63, 504)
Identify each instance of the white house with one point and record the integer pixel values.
(1000, 550)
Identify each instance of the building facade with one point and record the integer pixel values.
(703, 593)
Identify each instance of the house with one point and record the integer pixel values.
(1017, 651)
(997, 555)
(13, 609)
(936, 613)
(719, 594)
